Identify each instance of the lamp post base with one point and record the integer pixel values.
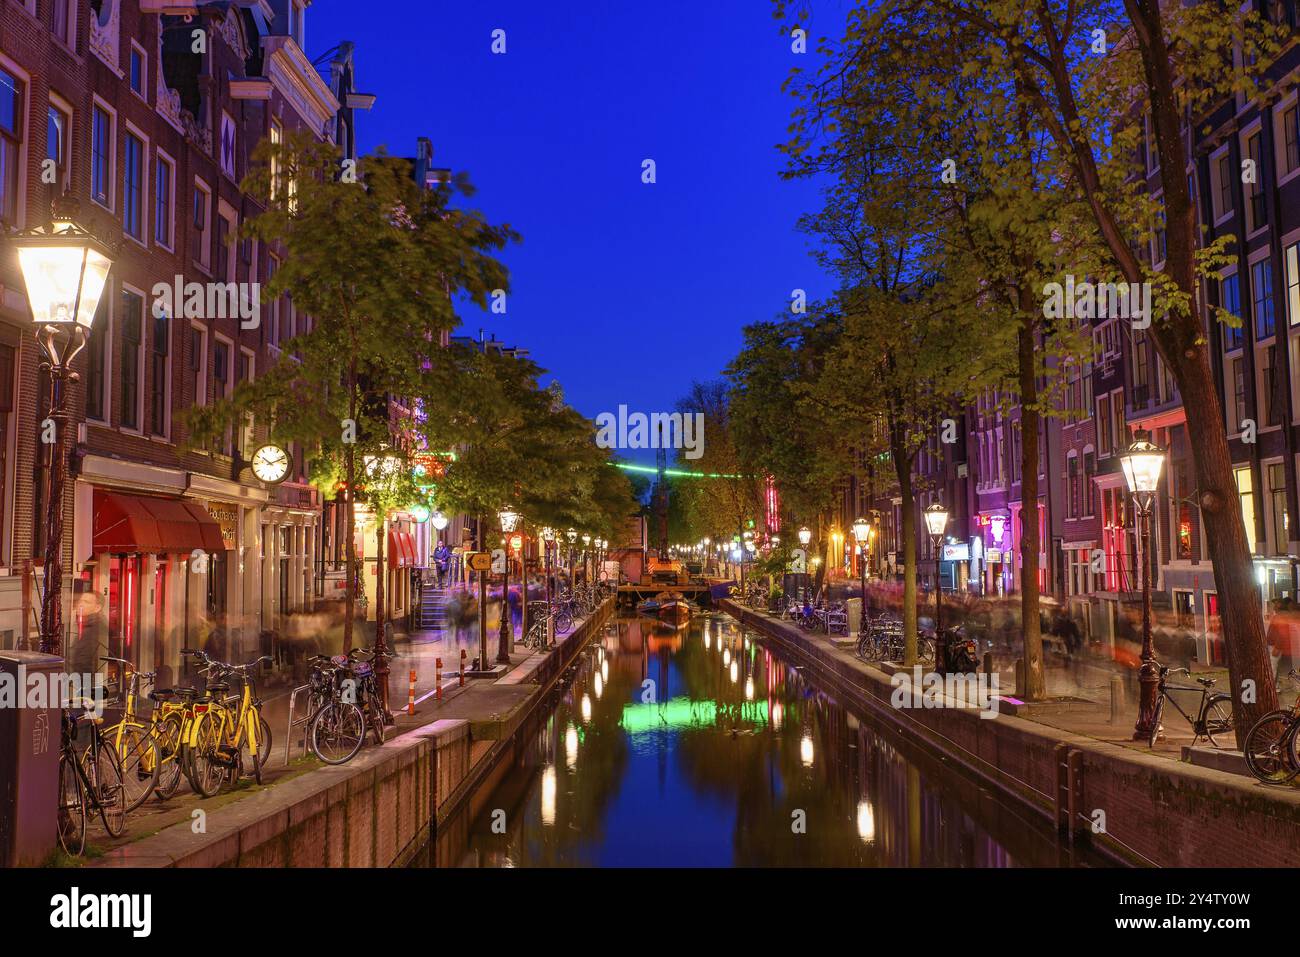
(1148, 694)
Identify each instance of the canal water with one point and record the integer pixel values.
(701, 746)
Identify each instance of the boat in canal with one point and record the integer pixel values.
(673, 608)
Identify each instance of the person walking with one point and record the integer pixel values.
(441, 558)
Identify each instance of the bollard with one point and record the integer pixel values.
(410, 700)
(988, 662)
(1116, 698)
(437, 678)
(463, 666)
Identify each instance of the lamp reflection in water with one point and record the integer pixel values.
(866, 822)
(726, 656)
(806, 750)
(749, 688)
(586, 708)
(571, 747)
(548, 795)
(735, 673)
(778, 711)
(706, 639)
(599, 686)
(604, 670)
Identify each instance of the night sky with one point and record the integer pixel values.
(626, 292)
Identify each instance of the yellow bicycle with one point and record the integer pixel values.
(149, 751)
(227, 736)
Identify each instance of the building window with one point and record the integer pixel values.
(1269, 382)
(101, 161)
(1141, 370)
(1291, 138)
(133, 187)
(1103, 425)
(227, 146)
(96, 348)
(1089, 489)
(273, 320)
(1230, 299)
(138, 79)
(1246, 494)
(1119, 428)
(1261, 285)
(1238, 380)
(202, 224)
(221, 382)
(198, 358)
(1255, 203)
(132, 342)
(1072, 481)
(162, 202)
(1277, 506)
(11, 138)
(158, 374)
(56, 144)
(1222, 168)
(61, 22)
(6, 430)
(1291, 265)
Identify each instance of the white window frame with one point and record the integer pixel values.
(232, 353)
(141, 351)
(170, 245)
(58, 103)
(146, 195)
(202, 397)
(110, 176)
(1218, 215)
(168, 377)
(1274, 548)
(231, 216)
(1287, 102)
(143, 92)
(200, 184)
(25, 144)
(249, 428)
(1255, 126)
(106, 387)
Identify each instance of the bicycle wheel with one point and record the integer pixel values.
(139, 756)
(1270, 748)
(563, 621)
(72, 807)
(1218, 720)
(246, 759)
(337, 732)
(167, 737)
(109, 794)
(264, 740)
(1155, 723)
(204, 768)
(925, 650)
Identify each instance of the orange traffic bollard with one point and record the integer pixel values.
(410, 701)
(463, 666)
(437, 678)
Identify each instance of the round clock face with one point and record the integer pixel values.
(271, 464)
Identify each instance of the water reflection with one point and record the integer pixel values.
(699, 746)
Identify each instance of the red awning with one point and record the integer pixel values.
(146, 524)
(412, 549)
(401, 549)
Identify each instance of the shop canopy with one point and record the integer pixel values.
(148, 525)
(401, 550)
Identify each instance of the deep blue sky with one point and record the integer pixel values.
(625, 292)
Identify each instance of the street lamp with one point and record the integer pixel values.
(586, 558)
(936, 520)
(1142, 464)
(548, 541)
(861, 529)
(64, 269)
(508, 518)
(438, 520)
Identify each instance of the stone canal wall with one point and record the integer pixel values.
(1154, 811)
(376, 811)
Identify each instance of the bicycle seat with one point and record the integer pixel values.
(218, 687)
(1207, 682)
(162, 694)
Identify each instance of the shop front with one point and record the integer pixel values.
(143, 592)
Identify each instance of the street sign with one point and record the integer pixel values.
(479, 561)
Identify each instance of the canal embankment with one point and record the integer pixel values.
(381, 808)
(1136, 807)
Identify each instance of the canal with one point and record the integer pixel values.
(702, 747)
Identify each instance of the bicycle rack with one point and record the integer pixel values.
(288, 733)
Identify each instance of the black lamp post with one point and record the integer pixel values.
(1143, 463)
(508, 518)
(572, 536)
(936, 521)
(548, 540)
(861, 531)
(64, 268)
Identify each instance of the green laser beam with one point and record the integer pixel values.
(676, 473)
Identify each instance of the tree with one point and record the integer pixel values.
(375, 261)
(1091, 72)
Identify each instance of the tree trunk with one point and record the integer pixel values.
(349, 596)
(1030, 544)
(381, 528)
(907, 534)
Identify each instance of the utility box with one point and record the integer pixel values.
(29, 758)
(854, 607)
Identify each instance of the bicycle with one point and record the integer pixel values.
(226, 736)
(89, 782)
(1211, 717)
(1270, 749)
(136, 744)
(538, 619)
(336, 729)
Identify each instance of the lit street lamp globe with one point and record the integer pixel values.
(509, 518)
(586, 541)
(861, 529)
(1142, 463)
(936, 519)
(548, 534)
(571, 535)
(805, 535)
(439, 520)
